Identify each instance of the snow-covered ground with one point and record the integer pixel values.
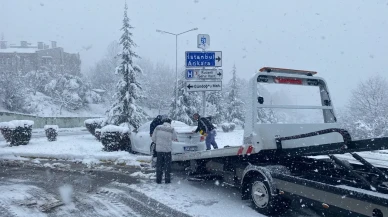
(78, 144)
(84, 148)
(206, 198)
(198, 198)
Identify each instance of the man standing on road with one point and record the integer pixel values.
(207, 127)
(163, 137)
(156, 122)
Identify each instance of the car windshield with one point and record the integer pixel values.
(292, 97)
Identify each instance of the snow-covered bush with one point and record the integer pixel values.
(93, 97)
(36, 80)
(115, 138)
(93, 124)
(51, 132)
(228, 127)
(21, 132)
(97, 134)
(6, 131)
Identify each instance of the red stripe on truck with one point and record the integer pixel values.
(240, 150)
(250, 149)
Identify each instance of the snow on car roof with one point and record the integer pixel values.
(179, 126)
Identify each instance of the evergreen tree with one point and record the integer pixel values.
(215, 98)
(187, 104)
(235, 108)
(125, 108)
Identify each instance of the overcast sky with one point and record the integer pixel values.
(345, 41)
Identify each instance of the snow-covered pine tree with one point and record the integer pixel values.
(215, 98)
(235, 106)
(187, 104)
(125, 109)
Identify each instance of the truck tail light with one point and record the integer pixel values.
(202, 139)
(288, 81)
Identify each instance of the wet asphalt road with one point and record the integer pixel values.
(94, 193)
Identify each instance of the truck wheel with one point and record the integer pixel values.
(262, 199)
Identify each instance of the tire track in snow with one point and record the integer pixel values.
(114, 207)
(5, 211)
(140, 201)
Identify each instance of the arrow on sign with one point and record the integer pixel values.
(189, 86)
(219, 74)
(218, 59)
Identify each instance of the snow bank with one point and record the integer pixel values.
(4, 125)
(55, 127)
(81, 148)
(114, 129)
(21, 123)
(94, 121)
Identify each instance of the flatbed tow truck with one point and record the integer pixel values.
(275, 164)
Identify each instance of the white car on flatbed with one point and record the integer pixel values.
(187, 140)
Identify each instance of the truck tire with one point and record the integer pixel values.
(262, 199)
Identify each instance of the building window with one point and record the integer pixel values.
(46, 60)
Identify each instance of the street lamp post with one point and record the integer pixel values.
(176, 57)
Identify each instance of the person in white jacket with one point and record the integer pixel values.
(163, 136)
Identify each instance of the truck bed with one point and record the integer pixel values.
(214, 153)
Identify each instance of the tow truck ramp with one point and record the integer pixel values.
(330, 185)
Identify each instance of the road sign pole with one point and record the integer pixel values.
(176, 71)
(204, 103)
(204, 94)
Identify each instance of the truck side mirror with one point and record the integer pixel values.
(260, 99)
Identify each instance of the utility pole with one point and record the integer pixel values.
(176, 57)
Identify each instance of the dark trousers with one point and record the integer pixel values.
(154, 151)
(163, 165)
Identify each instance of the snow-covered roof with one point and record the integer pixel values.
(18, 50)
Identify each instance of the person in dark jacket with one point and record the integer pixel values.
(207, 128)
(156, 122)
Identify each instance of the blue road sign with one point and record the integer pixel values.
(203, 40)
(203, 59)
(189, 73)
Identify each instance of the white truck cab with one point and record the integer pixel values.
(260, 130)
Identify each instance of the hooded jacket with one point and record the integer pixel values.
(204, 125)
(163, 137)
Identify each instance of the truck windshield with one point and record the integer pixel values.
(285, 103)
